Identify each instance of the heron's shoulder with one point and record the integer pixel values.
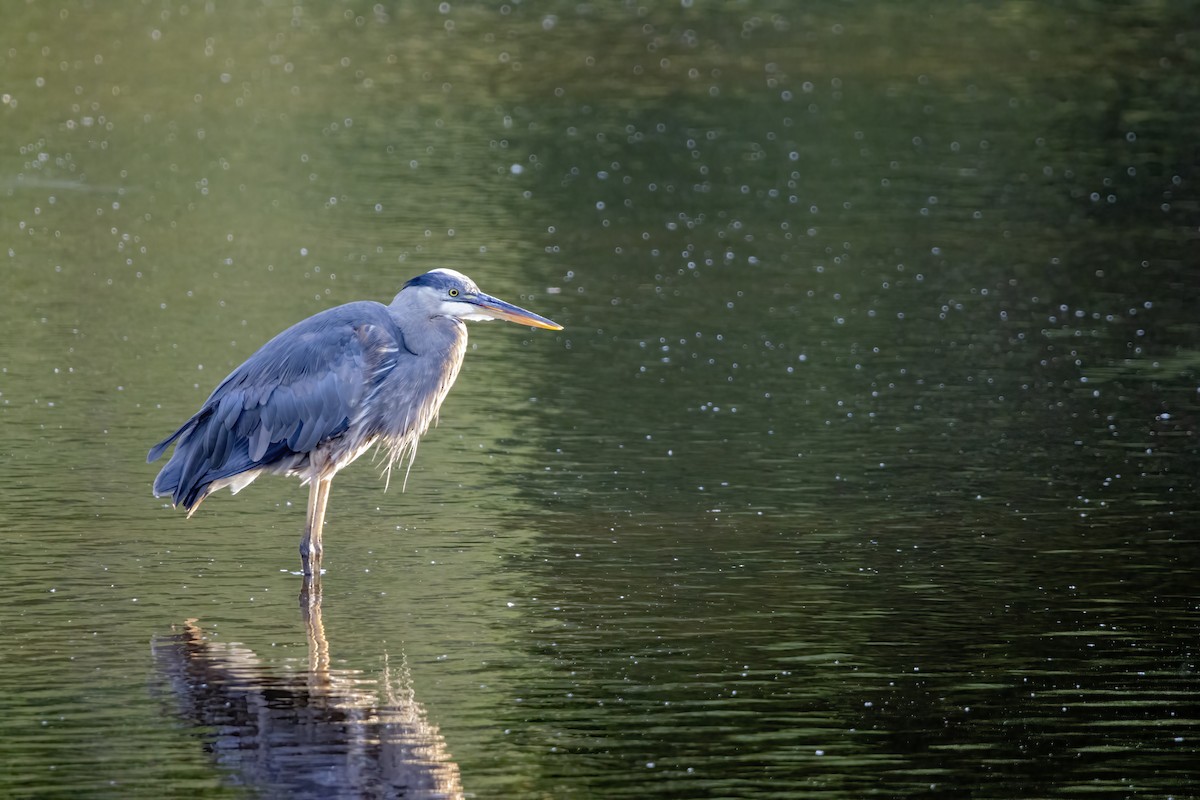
(371, 327)
(335, 335)
(350, 315)
(338, 326)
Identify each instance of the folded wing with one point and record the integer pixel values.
(301, 389)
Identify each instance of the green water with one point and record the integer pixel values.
(865, 465)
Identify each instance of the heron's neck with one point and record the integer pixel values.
(425, 334)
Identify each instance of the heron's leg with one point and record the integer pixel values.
(310, 543)
(319, 513)
(310, 546)
(306, 537)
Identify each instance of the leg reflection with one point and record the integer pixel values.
(314, 625)
(315, 732)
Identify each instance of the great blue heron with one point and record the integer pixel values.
(321, 393)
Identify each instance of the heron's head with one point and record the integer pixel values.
(447, 293)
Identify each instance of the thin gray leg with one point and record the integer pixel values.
(319, 514)
(310, 543)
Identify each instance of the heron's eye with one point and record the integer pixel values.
(454, 292)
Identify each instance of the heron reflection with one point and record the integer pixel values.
(326, 733)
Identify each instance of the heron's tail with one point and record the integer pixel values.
(172, 480)
(160, 448)
(211, 455)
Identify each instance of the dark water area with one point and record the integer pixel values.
(865, 464)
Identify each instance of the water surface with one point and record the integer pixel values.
(864, 465)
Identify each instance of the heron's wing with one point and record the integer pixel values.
(302, 388)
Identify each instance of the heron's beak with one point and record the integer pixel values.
(498, 309)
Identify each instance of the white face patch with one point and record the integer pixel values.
(451, 308)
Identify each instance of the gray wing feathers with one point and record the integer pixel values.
(303, 387)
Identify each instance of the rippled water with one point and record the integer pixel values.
(864, 466)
